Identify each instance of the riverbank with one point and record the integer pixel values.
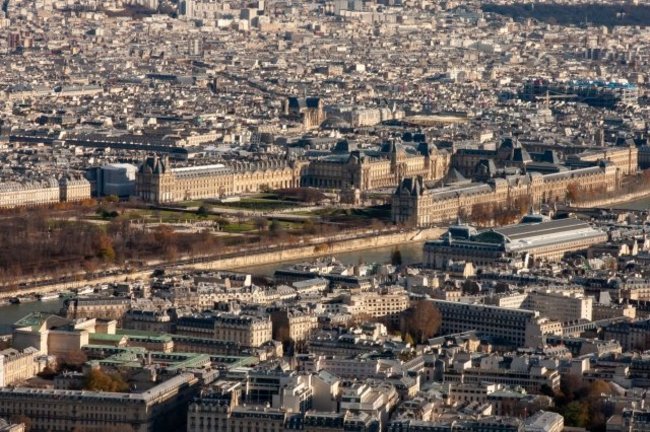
(247, 260)
(411, 254)
(614, 201)
(323, 249)
(637, 204)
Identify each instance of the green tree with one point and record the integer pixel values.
(576, 414)
(396, 257)
(203, 211)
(261, 224)
(547, 390)
(276, 229)
(470, 287)
(308, 227)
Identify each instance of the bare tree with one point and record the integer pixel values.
(422, 321)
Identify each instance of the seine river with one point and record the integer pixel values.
(411, 253)
(642, 204)
(9, 314)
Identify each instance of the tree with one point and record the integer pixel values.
(376, 224)
(276, 229)
(463, 216)
(98, 380)
(470, 287)
(308, 227)
(396, 257)
(261, 224)
(422, 321)
(599, 387)
(522, 205)
(22, 419)
(307, 195)
(547, 390)
(610, 263)
(581, 404)
(576, 414)
(48, 373)
(280, 326)
(104, 247)
(570, 386)
(203, 211)
(361, 318)
(573, 192)
(482, 213)
(74, 360)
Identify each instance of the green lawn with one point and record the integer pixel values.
(260, 204)
(355, 214)
(167, 216)
(192, 203)
(239, 227)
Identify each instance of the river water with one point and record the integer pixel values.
(9, 314)
(642, 204)
(411, 253)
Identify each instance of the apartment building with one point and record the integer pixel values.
(295, 323)
(560, 306)
(484, 424)
(103, 308)
(215, 412)
(633, 336)
(387, 305)
(518, 327)
(531, 379)
(248, 331)
(17, 366)
(66, 410)
(147, 320)
(349, 368)
(30, 193)
(73, 188)
(556, 305)
(377, 401)
(69, 188)
(544, 421)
